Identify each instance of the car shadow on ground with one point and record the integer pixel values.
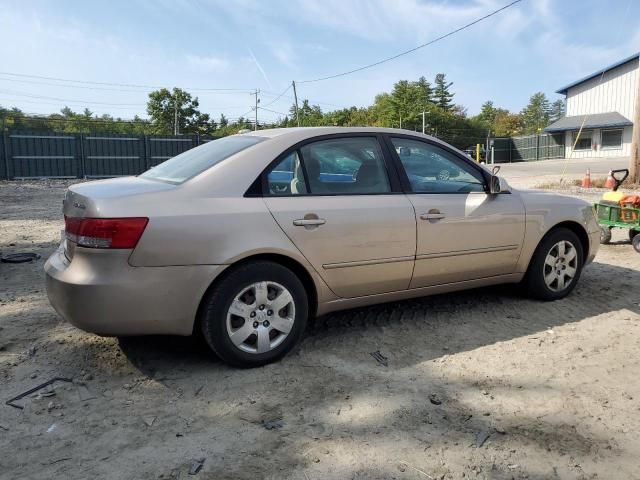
(333, 369)
(448, 323)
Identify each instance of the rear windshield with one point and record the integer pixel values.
(192, 162)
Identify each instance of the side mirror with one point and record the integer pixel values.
(498, 185)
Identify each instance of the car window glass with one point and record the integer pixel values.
(346, 166)
(287, 177)
(432, 169)
(188, 164)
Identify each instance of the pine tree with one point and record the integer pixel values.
(442, 96)
(425, 92)
(535, 116)
(557, 110)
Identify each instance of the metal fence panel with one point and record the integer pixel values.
(40, 154)
(32, 154)
(529, 148)
(3, 157)
(161, 148)
(113, 155)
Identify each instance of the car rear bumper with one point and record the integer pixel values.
(98, 291)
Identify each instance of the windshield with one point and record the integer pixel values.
(192, 162)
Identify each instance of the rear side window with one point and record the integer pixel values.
(192, 162)
(345, 166)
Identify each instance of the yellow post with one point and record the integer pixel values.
(478, 152)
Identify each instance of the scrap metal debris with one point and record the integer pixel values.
(149, 421)
(196, 466)
(381, 359)
(19, 257)
(482, 437)
(11, 401)
(273, 424)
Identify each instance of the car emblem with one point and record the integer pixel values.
(79, 205)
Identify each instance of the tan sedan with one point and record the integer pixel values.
(244, 238)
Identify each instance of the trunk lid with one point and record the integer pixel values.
(112, 198)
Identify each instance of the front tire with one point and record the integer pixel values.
(255, 315)
(636, 243)
(556, 265)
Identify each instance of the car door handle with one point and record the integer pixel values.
(309, 222)
(432, 216)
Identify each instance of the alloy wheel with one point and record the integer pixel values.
(260, 317)
(560, 266)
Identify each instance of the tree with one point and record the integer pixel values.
(223, 121)
(535, 116)
(425, 92)
(441, 94)
(165, 108)
(557, 110)
(487, 115)
(310, 115)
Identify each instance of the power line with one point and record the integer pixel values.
(278, 97)
(130, 85)
(273, 111)
(406, 52)
(311, 100)
(58, 104)
(43, 97)
(107, 89)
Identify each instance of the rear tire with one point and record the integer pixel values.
(633, 234)
(605, 235)
(255, 315)
(556, 266)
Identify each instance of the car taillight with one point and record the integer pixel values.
(105, 232)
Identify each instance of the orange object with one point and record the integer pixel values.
(630, 201)
(629, 212)
(610, 183)
(586, 181)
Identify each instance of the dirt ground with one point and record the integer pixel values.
(481, 384)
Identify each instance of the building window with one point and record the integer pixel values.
(584, 141)
(612, 138)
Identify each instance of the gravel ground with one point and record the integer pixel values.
(481, 384)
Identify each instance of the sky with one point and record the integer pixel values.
(242, 45)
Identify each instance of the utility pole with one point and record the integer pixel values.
(255, 127)
(634, 158)
(423, 124)
(295, 96)
(400, 120)
(175, 116)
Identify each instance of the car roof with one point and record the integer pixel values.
(302, 133)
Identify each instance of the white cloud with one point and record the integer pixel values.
(283, 51)
(207, 62)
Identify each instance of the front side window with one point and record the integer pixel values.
(612, 138)
(192, 162)
(432, 169)
(287, 177)
(583, 141)
(346, 166)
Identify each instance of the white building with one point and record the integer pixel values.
(603, 104)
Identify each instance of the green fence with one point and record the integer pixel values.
(528, 148)
(33, 154)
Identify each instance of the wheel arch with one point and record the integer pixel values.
(292, 264)
(574, 227)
